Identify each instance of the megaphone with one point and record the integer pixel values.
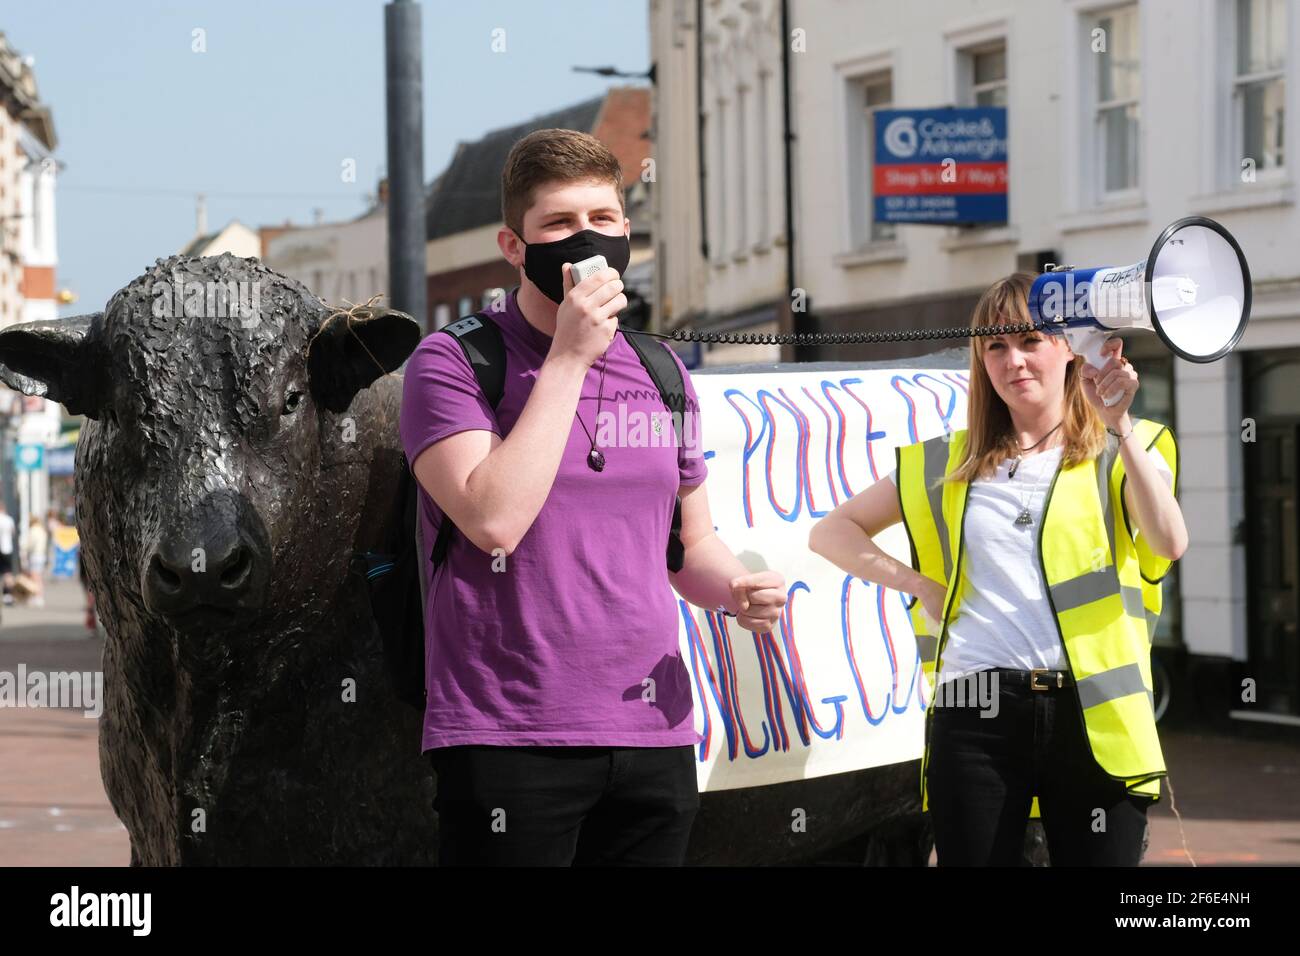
(1192, 290)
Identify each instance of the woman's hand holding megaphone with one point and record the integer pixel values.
(1117, 381)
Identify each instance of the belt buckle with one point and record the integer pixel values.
(1033, 678)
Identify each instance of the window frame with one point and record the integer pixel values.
(1096, 107)
(1085, 209)
(1219, 181)
(855, 150)
(1236, 99)
(963, 44)
(875, 232)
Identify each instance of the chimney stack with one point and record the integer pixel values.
(201, 216)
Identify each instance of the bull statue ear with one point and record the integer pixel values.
(58, 359)
(353, 347)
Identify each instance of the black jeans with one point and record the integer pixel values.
(984, 772)
(562, 806)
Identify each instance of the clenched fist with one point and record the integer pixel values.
(759, 598)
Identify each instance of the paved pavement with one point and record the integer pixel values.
(1239, 795)
(53, 809)
(1239, 799)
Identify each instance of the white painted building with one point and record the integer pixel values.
(38, 248)
(234, 237)
(1122, 117)
(336, 260)
(28, 261)
(719, 213)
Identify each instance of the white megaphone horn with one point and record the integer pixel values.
(1192, 290)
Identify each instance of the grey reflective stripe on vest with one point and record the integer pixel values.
(936, 467)
(1111, 685)
(1132, 599)
(1105, 462)
(927, 645)
(1094, 586)
(1152, 620)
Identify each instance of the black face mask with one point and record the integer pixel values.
(544, 261)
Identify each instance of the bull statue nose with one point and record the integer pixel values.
(220, 571)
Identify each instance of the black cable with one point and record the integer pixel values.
(842, 338)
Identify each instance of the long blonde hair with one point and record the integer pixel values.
(989, 437)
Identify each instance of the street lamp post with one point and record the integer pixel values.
(407, 276)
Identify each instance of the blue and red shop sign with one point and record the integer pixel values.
(941, 166)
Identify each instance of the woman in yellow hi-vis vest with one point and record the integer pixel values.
(1039, 537)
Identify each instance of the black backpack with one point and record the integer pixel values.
(393, 575)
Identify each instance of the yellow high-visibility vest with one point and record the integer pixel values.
(1103, 585)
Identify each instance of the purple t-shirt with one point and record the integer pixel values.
(556, 648)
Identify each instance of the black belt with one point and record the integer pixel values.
(1040, 678)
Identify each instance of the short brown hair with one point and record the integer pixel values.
(554, 155)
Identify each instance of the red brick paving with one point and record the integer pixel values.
(55, 812)
(1239, 799)
(53, 808)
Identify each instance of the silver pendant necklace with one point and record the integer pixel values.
(1024, 517)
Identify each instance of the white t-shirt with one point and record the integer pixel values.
(1005, 619)
(7, 530)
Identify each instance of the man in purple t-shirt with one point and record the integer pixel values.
(559, 715)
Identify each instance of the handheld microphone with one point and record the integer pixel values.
(581, 270)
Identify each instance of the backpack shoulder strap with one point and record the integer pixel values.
(667, 376)
(480, 339)
(664, 372)
(419, 549)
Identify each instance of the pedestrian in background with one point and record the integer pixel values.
(8, 537)
(35, 550)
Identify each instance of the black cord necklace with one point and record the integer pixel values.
(595, 457)
(1015, 462)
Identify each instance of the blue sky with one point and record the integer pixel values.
(285, 92)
